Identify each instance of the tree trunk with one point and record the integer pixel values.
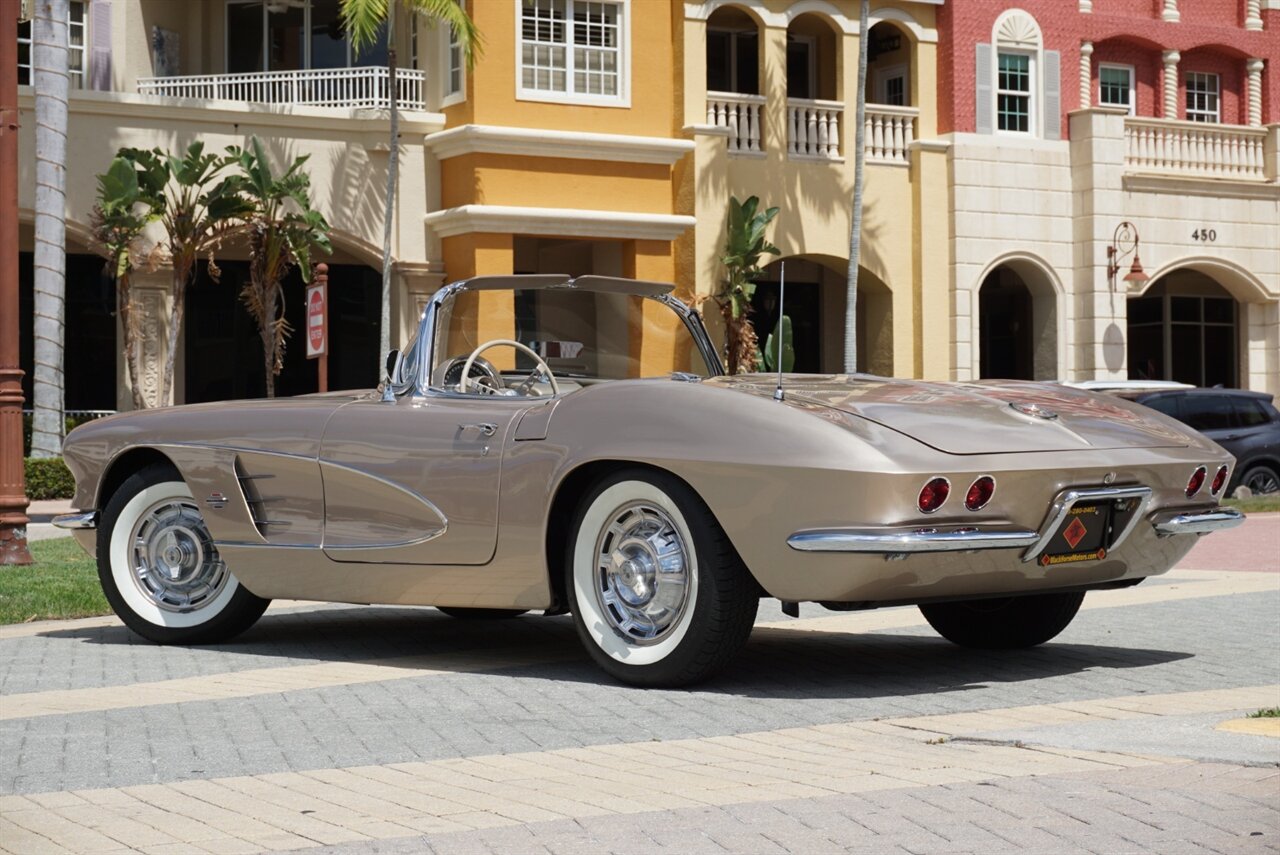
(267, 329)
(393, 168)
(740, 341)
(49, 64)
(855, 230)
(132, 340)
(181, 273)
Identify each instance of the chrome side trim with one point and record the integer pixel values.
(1196, 522)
(926, 539)
(1068, 498)
(81, 520)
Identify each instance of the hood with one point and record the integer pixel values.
(989, 417)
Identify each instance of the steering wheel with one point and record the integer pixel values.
(542, 368)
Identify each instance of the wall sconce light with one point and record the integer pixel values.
(1123, 242)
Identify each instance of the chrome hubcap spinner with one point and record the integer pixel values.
(172, 558)
(642, 573)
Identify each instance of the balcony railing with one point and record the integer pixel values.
(367, 86)
(741, 115)
(889, 133)
(1195, 149)
(813, 129)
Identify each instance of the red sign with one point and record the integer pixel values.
(317, 335)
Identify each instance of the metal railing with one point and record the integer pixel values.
(366, 86)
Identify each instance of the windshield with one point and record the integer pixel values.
(582, 334)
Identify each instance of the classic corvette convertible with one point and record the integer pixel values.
(572, 445)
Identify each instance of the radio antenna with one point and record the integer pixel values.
(778, 394)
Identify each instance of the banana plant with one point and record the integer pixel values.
(745, 246)
(283, 232)
(770, 355)
(125, 206)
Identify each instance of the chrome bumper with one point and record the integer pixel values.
(954, 539)
(1197, 522)
(961, 538)
(81, 520)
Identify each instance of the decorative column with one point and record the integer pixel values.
(1253, 14)
(1253, 69)
(1086, 75)
(1171, 60)
(1170, 12)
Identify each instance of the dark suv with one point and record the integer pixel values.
(1244, 423)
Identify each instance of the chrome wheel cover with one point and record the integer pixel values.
(172, 559)
(642, 573)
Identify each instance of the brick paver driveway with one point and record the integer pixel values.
(348, 729)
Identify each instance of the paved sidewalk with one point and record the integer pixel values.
(390, 730)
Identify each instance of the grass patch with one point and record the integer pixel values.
(1269, 712)
(63, 583)
(1255, 504)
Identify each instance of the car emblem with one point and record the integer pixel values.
(217, 501)
(1034, 410)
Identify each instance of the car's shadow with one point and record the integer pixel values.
(776, 663)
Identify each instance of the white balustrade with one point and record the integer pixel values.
(741, 115)
(1196, 149)
(813, 129)
(889, 132)
(366, 86)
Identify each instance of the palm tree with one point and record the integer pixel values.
(281, 236)
(363, 19)
(744, 247)
(125, 206)
(859, 167)
(196, 220)
(49, 64)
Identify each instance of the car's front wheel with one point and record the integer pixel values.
(658, 594)
(159, 568)
(1005, 623)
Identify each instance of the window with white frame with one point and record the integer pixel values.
(1115, 86)
(1014, 93)
(891, 86)
(454, 82)
(572, 50)
(1202, 97)
(77, 25)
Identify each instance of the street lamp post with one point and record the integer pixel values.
(1123, 242)
(13, 498)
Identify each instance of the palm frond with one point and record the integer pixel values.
(452, 14)
(362, 19)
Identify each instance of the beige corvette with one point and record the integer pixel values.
(572, 446)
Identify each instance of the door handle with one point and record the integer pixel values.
(485, 428)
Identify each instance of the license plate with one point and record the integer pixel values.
(1082, 536)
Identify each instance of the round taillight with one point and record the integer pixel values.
(933, 494)
(980, 493)
(1196, 481)
(1219, 480)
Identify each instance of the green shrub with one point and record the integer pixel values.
(48, 478)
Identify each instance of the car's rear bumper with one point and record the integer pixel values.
(77, 521)
(1196, 522)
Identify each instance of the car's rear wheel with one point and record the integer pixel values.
(1006, 623)
(1261, 479)
(658, 594)
(480, 614)
(159, 568)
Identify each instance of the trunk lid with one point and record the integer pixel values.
(987, 417)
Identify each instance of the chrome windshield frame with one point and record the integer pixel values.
(421, 354)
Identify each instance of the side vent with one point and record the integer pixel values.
(252, 485)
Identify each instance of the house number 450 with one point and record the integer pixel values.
(1205, 235)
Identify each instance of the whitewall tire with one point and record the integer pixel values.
(159, 568)
(658, 594)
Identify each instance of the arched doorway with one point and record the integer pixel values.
(889, 66)
(1017, 324)
(1185, 327)
(817, 294)
(733, 52)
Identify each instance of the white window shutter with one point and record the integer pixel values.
(1052, 96)
(984, 104)
(100, 45)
